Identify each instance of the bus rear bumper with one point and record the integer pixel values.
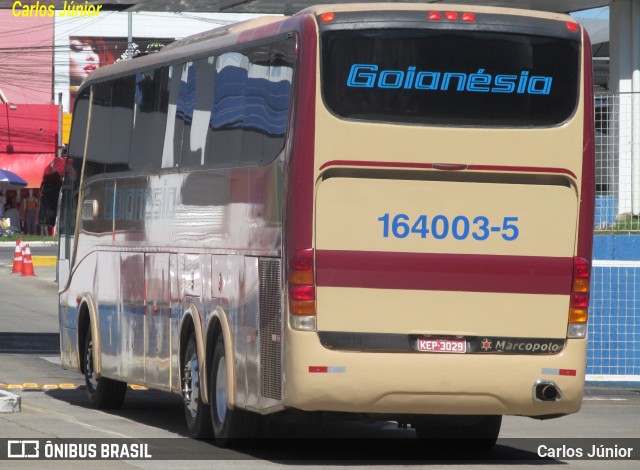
(319, 379)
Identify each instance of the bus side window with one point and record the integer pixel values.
(277, 98)
(111, 127)
(173, 128)
(197, 111)
(150, 110)
(250, 109)
(224, 147)
(71, 181)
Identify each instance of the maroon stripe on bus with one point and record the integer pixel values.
(300, 179)
(427, 166)
(587, 189)
(444, 272)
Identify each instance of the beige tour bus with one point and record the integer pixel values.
(376, 209)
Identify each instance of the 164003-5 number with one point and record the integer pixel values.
(440, 227)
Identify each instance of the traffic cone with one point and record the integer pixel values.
(17, 258)
(27, 263)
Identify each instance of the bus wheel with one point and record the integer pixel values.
(103, 393)
(195, 412)
(228, 425)
(455, 432)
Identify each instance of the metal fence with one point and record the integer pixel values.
(614, 318)
(617, 142)
(614, 322)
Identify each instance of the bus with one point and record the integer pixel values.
(384, 210)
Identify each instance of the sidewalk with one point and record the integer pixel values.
(43, 271)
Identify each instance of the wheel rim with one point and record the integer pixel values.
(191, 385)
(221, 390)
(92, 381)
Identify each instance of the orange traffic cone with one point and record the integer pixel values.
(17, 258)
(27, 263)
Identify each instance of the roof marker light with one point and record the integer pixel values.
(327, 17)
(435, 16)
(468, 17)
(451, 16)
(571, 26)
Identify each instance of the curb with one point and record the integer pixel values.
(9, 402)
(41, 261)
(32, 243)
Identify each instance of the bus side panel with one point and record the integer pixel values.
(157, 317)
(132, 333)
(108, 305)
(82, 285)
(68, 319)
(176, 317)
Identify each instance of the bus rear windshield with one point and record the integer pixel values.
(455, 78)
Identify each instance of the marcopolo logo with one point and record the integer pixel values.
(529, 346)
(372, 76)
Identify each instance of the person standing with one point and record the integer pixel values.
(30, 213)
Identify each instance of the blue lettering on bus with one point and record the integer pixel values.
(371, 76)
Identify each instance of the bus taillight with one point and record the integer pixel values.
(451, 16)
(573, 27)
(302, 291)
(579, 303)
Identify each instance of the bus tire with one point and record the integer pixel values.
(195, 411)
(103, 393)
(451, 432)
(231, 427)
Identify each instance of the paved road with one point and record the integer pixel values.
(7, 251)
(54, 405)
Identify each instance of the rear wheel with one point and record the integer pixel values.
(475, 432)
(228, 425)
(103, 393)
(195, 411)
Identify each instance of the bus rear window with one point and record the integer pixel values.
(444, 77)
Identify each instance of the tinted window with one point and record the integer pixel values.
(79, 127)
(250, 109)
(111, 125)
(198, 95)
(150, 118)
(451, 78)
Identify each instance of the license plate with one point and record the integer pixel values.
(443, 345)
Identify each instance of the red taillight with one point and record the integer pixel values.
(581, 275)
(571, 26)
(579, 300)
(468, 17)
(451, 16)
(579, 303)
(328, 17)
(435, 16)
(302, 291)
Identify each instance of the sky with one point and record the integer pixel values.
(599, 13)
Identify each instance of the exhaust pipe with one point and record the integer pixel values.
(546, 390)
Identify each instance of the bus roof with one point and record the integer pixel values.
(198, 44)
(333, 8)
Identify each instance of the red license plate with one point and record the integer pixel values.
(443, 345)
